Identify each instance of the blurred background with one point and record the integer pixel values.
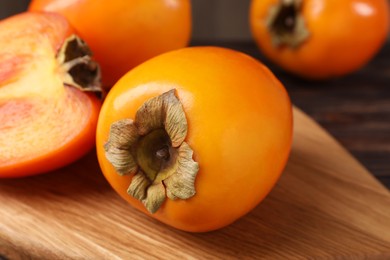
(213, 20)
(355, 109)
(222, 20)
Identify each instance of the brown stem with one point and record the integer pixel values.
(287, 25)
(77, 67)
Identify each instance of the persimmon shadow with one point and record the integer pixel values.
(73, 181)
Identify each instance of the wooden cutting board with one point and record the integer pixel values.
(326, 205)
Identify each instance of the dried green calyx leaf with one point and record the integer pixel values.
(153, 149)
(77, 67)
(179, 185)
(166, 112)
(286, 24)
(138, 186)
(123, 135)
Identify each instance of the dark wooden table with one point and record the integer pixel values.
(355, 109)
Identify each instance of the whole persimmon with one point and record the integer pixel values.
(320, 39)
(196, 137)
(125, 33)
(47, 120)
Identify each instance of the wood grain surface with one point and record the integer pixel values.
(325, 205)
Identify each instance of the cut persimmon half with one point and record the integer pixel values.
(48, 95)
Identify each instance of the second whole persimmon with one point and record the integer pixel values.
(196, 137)
(124, 33)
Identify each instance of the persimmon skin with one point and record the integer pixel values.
(344, 36)
(124, 33)
(239, 127)
(44, 125)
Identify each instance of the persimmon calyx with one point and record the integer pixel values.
(286, 24)
(152, 148)
(77, 67)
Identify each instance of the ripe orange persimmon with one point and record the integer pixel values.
(319, 39)
(196, 137)
(46, 120)
(125, 33)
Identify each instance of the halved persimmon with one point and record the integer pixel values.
(46, 118)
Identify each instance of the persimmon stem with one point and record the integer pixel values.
(163, 153)
(286, 24)
(77, 67)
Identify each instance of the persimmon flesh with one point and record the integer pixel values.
(45, 121)
(216, 126)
